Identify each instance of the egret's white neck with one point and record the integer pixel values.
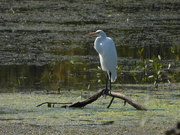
(103, 35)
(98, 44)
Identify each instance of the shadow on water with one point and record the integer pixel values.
(44, 45)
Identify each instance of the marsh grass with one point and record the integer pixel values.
(20, 109)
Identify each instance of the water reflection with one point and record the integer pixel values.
(75, 71)
(54, 53)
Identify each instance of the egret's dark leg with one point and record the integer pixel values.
(107, 81)
(110, 91)
(110, 81)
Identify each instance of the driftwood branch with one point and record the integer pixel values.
(51, 104)
(109, 93)
(127, 99)
(89, 100)
(96, 96)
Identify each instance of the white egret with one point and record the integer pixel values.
(107, 53)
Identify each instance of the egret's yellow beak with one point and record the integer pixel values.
(93, 33)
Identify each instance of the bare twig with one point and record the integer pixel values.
(51, 103)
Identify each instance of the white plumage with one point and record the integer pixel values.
(107, 53)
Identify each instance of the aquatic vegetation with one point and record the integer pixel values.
(153, 70)
(20, 109)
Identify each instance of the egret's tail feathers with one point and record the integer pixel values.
(113, 76)
(113, 79)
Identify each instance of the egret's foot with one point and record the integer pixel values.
(105, 91)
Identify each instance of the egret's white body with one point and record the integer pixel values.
(107, 53)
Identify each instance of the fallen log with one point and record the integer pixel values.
(96, 96)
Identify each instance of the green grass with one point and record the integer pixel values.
(19, 110)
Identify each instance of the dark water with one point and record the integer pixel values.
(43, 44)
